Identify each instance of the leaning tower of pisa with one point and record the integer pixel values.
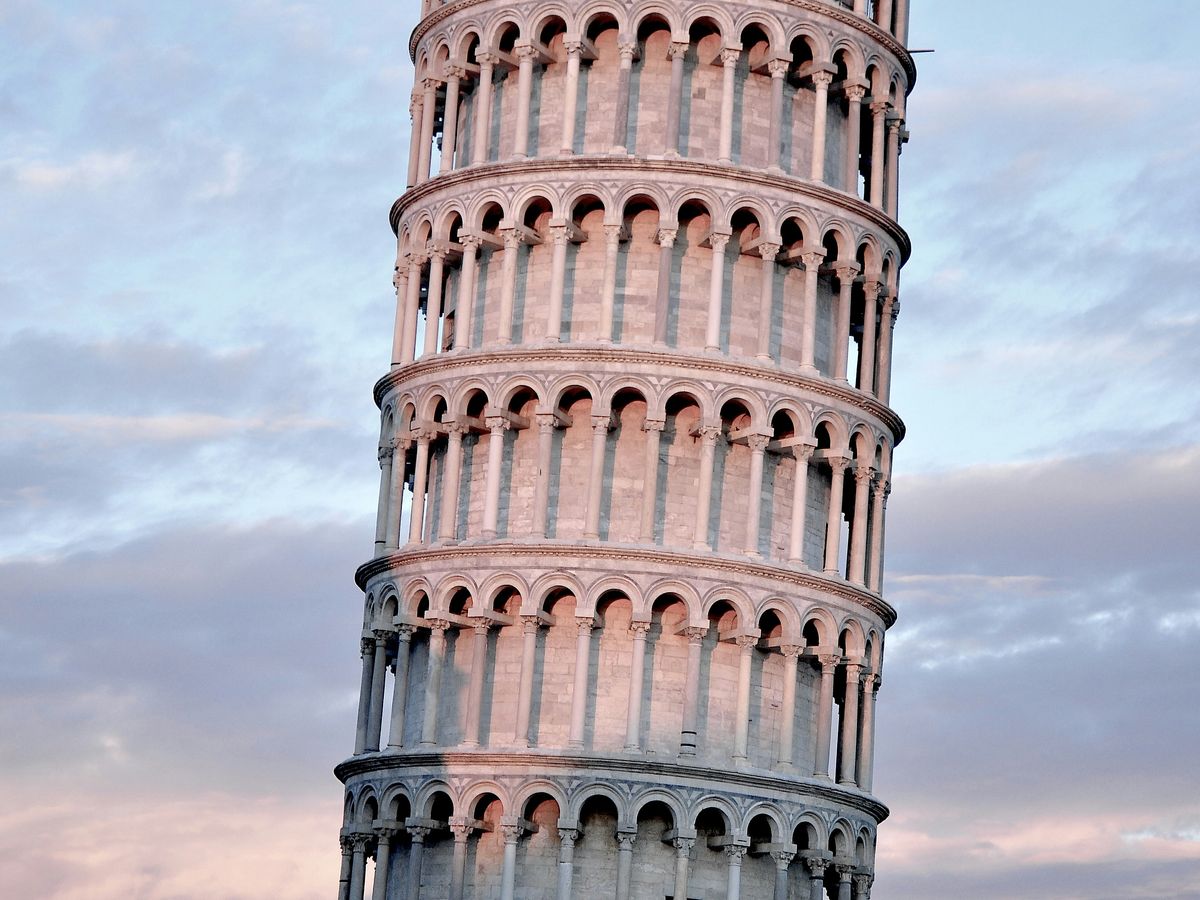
(623, 629)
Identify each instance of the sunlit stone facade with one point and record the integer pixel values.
(623, 630)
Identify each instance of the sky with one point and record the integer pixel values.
(195, 300)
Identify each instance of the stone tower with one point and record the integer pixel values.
(623, 629)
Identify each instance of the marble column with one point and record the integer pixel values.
(662, 299)
(783, 859)
(400, 283)
(848, 744)
(454, 77)
(428, 113)
(433, 300)
(878, 516)
(816, 875)
(758, 446)
(358, 865)
(676, 52)
(608, 292)
(846, 273)
(683, 853)
(414, 144)
(416, 857)
(558, 277)
(574, 50)
(741, 737)
(479, 649)
(416, 522)
(378, 683)
(546, 424)
(626, 51)
(465, 311)
(866, 747)
(497, 425)
(863, 475)
(821, 82)
(396, 501)
(729, 61)
(787, 727)
(637, 674)
(654, 429)
(525, 54)
(879, 112)
(766, 299)
(508, 283)
(803, 453)
(894, 128)
(433, 681)
(887, 328)
(412, 305)
(854, 97)
(347, 846)
(460, 829)
(862, 886)
(828, 663)
(483, 108)
(529, 633)
(733, 883)
(364, 694)
(383, 848)
(868, 348)
(625, 842)
(508, 875)
(716, 290)
(566, 861)
(844, 873)
(808, 334)
(691, 690)
(404, 635)
(601, 425)
(777, 69)
(579, 688)
(448, 527)
(386, 451)
(833, 521)
(708, 444)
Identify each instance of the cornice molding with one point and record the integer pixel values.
(750, 782)
(631, 355)
(493, 171)
(547, 553)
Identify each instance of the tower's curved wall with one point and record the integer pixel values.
(623, 631)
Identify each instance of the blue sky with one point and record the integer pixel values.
(195, 300)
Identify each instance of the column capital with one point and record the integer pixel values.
(872, 682)
(829, 661)
(882, 489)
(625, 840)
(497, 423)
(627, 50)
(430, 84)
(746, 641)
(585, 624)
(461, 830)
(383, 635)
(546, 422)
(694, 634)
(872, 288)
(666, 236)
(404, 633)
(708, 434)
(558, 234)
(574, 47)
(602, 424)
(803, 452)
(838, 464)
(768, 251)
(568, 836)
(612, 233)
(486, 58)
(385, 453)
(846, 270)
(654, 425)
(783, 858)
(816, 866)
(678, 49)
(881, 107)
(730, 56)
(845, 871)
(524, 51)
(790, 651)
(512, 238)
(512, 831)
(530, 624)
(683, 845)
(862, 884)
(470, 241)
(822, 79)
(853, 671)
(864, 474)
(735, 852)
(366, 645)
(360, 840)
(455, 73)
(813, 259)
(758, 442)
(642, 628)
(778, 67)
(855, 93)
